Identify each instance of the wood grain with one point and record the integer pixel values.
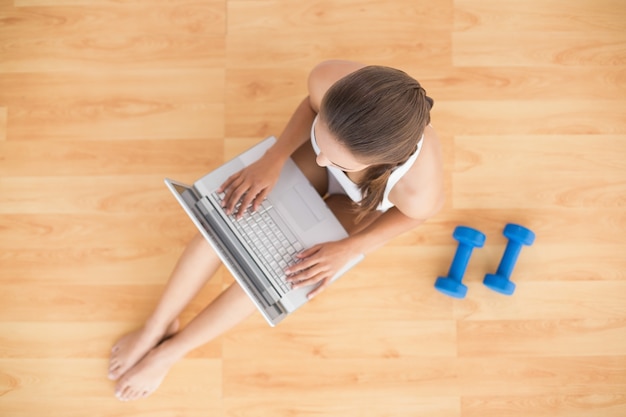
(109, 106)
(552, 16)
(101, 99)
(58, 38)
(545, 405)
(532, 83)
(31, 394)
(533, 376)
(567, 337)
(3, 124)
(591, 174)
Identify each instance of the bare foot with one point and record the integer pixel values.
(135, 345)
(145, 377)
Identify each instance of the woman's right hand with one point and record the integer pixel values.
(250, 185)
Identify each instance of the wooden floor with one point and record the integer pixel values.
(100, 100)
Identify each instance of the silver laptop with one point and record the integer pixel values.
(257, 248)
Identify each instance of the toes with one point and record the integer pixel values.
(119, 344)
(120, 394)
(114, 371)
(130, 395)
(127, 393)
(123, 390)
(113, 375)
(136, 395)
(117, 368)
(114, 363)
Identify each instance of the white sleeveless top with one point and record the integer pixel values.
(339, 182)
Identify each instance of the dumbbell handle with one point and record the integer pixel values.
(511, 253)
(460, 261)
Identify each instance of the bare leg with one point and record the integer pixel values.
(230, 308)
(341, 206)
(304, 157)
(195, 267)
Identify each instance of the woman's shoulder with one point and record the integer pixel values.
(420, 192)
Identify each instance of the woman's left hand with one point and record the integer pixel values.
(319, 264)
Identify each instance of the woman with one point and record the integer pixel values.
(364, 140)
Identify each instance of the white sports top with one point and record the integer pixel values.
(340, 183)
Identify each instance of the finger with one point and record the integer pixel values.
(228, 182)
(319, 289)
(308, 277)
(260, 198)
(310, 281)
(235, 196)
(245, 202)
(309, 252)
(301, 267)
(232, 188)
(307, 260)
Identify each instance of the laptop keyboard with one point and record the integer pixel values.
(268, 240)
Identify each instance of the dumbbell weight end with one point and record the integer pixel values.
(499, 284)
(451, 287)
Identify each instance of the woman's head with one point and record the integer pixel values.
(334, 153)
(378, 114)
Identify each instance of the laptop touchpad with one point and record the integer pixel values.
(302, 211)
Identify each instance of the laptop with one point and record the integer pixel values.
(257, 248)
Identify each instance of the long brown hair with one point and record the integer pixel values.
(379, 114)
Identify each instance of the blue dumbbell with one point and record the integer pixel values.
(501, 280)
(468, 240)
